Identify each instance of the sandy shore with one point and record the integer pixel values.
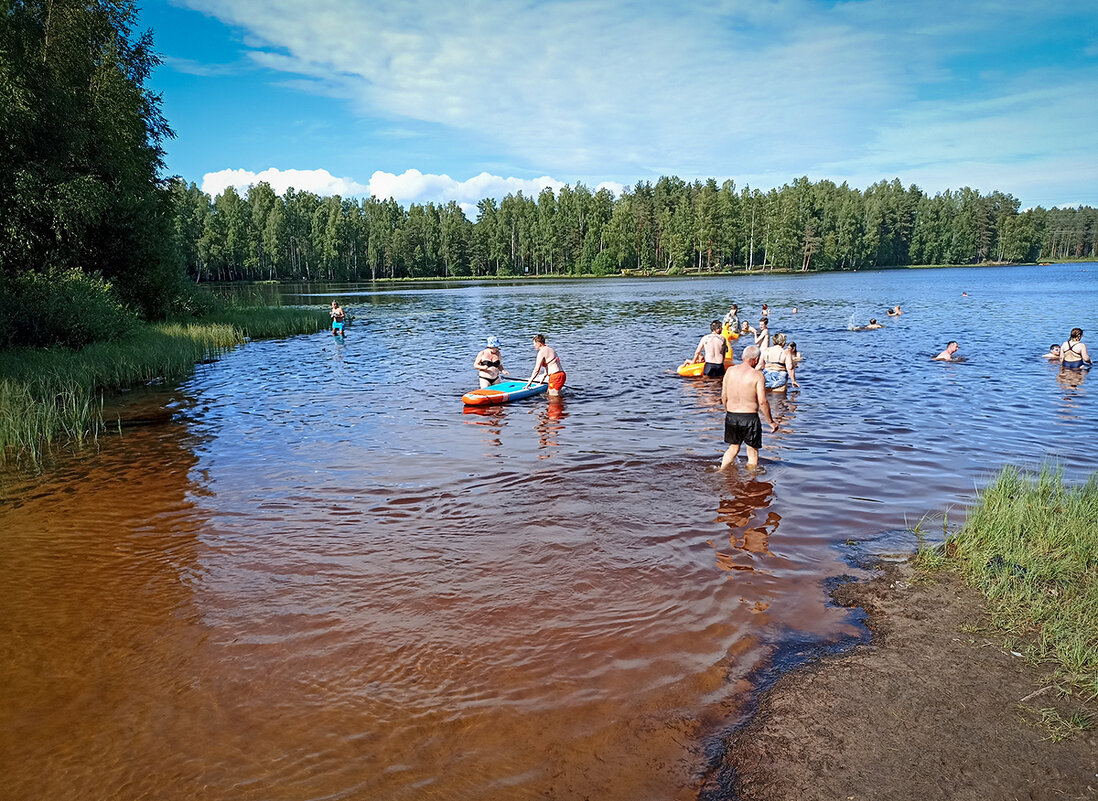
(935, 707)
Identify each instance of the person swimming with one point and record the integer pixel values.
(947, 354)
(1053, 354)
(873, 325)
(895, 311)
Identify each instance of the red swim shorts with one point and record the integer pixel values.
(556, 380)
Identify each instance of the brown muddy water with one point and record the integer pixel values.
(307, 573)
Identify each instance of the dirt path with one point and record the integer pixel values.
(932, 709)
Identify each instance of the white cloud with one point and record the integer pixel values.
(411, 186)
(321, 182)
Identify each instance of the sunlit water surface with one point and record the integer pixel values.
(308, 573)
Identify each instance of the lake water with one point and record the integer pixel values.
(307, 573)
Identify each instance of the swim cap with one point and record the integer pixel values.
(493, 342)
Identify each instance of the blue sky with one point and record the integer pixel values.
(425, 100)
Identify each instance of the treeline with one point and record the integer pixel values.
(670, 226)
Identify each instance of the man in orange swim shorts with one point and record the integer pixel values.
(549, 361)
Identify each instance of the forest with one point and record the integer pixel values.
(94, 235)
(668, 227)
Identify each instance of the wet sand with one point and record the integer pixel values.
(933, 707)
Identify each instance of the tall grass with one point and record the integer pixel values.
(1031, 545)
(56, 395)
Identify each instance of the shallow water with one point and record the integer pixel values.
(308, 573)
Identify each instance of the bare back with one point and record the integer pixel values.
(743, 390)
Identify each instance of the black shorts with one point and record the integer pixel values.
(713, 370)
(743, 427)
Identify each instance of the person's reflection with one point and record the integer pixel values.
(745, 509)
(1071, 379)
(491, 417)
(706, 391)
(549, 425)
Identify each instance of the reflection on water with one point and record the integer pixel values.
(308, 572)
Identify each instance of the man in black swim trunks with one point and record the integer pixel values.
(714, 348)
(743, 397)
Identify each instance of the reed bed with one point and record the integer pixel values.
(52, 396)
(1031, 545)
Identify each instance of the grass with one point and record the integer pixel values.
(1055, 724)
(1030, 544)
(54, 396)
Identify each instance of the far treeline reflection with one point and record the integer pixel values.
(671, 226)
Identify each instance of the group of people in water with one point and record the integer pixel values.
(489, 365)
(1073, 354)
(768, 363)
(778, 356)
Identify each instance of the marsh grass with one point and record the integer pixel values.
(54, 396)
(1030, 544)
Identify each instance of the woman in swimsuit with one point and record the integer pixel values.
(1073, 353)
(777, 365)
(489, 364)
(795, 354)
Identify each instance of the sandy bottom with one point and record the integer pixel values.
(934, 708)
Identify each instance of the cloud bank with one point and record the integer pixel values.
(411, 186)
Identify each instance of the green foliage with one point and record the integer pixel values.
(66, 308)
(80, 138)
(54, 396)
(1031, 545)
(671, 226)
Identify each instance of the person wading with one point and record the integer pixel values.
(743, 398)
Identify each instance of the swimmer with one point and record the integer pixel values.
(794, 310)
(795, 354)
(1073, 353)
(895, 311)
(947, 354)
(873, 325)
(1053, 354)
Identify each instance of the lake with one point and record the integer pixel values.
(307, 572)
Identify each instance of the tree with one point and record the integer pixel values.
(81, 137)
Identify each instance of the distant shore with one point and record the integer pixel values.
(736, 273)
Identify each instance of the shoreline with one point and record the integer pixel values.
(933, 705)
(628, 273)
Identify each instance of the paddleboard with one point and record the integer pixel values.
(503, 392)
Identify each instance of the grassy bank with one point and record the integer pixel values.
(1031, 545)
(51, 396)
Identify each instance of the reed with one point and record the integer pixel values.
(55, 395)
(1031, 545)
